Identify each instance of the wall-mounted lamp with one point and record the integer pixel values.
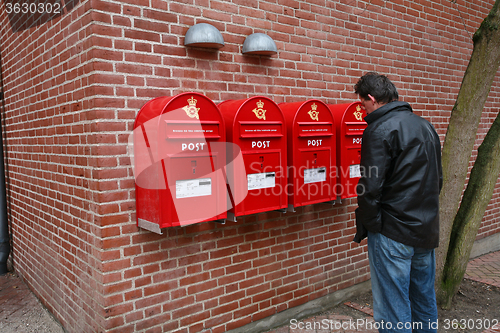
(204, 35)
(260, 44)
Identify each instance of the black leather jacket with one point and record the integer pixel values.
(398, 193)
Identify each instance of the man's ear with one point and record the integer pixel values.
(372, 98)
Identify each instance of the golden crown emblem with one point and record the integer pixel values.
(191, 109)
(313, 113)
(260, 113)
(358, 114)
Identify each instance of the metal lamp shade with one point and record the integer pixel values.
(259, 43)
(204, 35)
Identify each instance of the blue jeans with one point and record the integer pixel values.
(402, 279)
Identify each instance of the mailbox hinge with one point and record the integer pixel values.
(231, 217)
(337, 201)
(153, 227)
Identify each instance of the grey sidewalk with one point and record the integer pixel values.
(21, 311)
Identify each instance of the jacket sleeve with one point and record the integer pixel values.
(376, 155)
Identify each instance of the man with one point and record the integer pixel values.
(398, 199)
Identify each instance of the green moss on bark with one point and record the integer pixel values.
(490, 24)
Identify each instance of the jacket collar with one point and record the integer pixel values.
(384, 109)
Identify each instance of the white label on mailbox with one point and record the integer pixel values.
(261, 144)
(193, 188)
(261, 180)
(193, 146)
(354, 171)
(314, 142)
(314, 175)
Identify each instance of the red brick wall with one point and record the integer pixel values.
(51, 137)
(73, 86)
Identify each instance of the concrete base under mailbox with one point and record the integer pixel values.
(485, 245)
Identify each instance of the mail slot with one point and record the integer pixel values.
(257, 126)
(350, 126)
(312, 176)
(179, 154)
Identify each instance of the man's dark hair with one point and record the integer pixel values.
(377, 85)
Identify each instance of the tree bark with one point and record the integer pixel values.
(462, 129)
(482, 181)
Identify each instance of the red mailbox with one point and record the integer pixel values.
(257, 126)
(312, 176)
(350, 127)
(179, 156)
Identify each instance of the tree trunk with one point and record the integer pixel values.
(462, 129)
(482, 181)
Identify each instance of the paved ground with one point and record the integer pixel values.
(485, 269)
(21, 312)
